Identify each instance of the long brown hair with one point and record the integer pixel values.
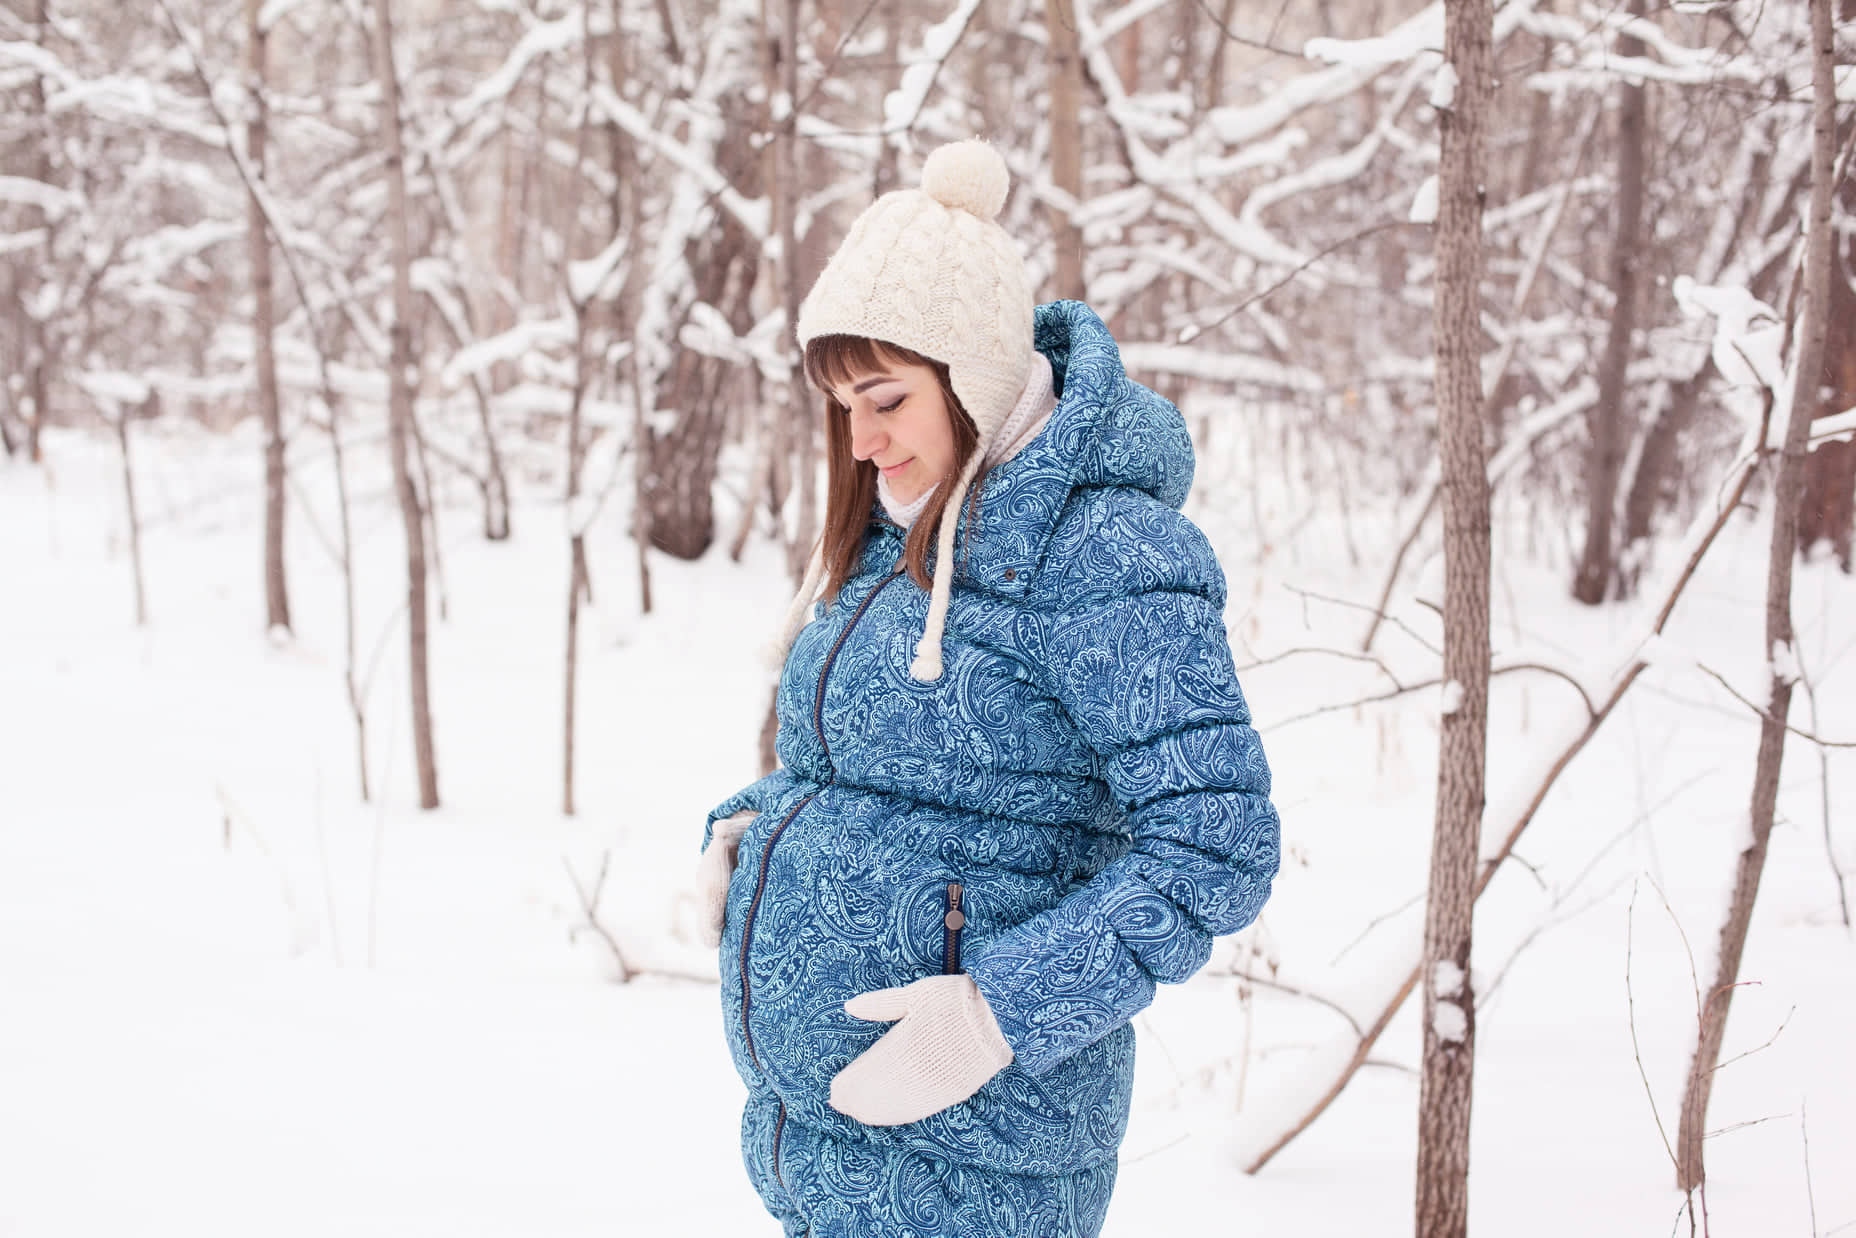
(850, 490)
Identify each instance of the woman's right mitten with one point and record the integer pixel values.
(714, 871)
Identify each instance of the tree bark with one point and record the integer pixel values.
(1605, 461)
(400, 408)
(1788, 487)
(576, 563)
(1449, 1002)
(1066, 145)
(1653, 486)
(781, 174)
(276, 592)
(38, 336)
(121, 420)
(1828, 509)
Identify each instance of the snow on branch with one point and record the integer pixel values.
(542, 39)
(1249, 239)
(902, 107)
(55, 202)
(1353, 64)
(587, 279)
(1421, 33)
(753, 214)
(1598, 65)
(1336, 169)
(523, 339)
(1749, 336)
(1121, 19)
(1837, 426)
(275, 11)
(19, 242)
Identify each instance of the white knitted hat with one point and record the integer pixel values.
(930, 270)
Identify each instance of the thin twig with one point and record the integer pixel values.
(1374, 923)
(1823, 786)
(590, 905)
(1292, 991)
(1400, 624)
(1262, 45)
(1315, 649)
(1800, 732)
(1810, 1192)
(1192, 332)
(1435, 681)
(1630, 1000)
(1758, 1048)
(1728, 1130)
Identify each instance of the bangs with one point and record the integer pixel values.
(833, 360)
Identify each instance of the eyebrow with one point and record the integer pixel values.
(868, 383)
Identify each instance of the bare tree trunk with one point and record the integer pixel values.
(1598, 565)
(1213, 94)
(1449, 1002)
(806, 450)
(400, 409)
(1787, 488)
(1828, 510)
(430, 509)
(38, 337)
(357, 701)
(641, 487)
(576, 449)
(576, 569)
(121, 420)
(276, 595)
(1066, 145)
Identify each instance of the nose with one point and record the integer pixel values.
(867, 436)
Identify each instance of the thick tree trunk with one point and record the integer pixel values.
(1449, 1003)
(400, 409)
(1605, 461)
(276, 593)
(1788, 487)
(1066, 145)
(1653, 486)
(724, 261)
(1828, 509)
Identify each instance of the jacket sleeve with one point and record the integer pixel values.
(752, 798)
(1146, 675)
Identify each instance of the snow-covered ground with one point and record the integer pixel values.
(237, 1000)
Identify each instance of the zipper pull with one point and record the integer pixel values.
(954, 920)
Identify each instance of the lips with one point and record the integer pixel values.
(890, 470)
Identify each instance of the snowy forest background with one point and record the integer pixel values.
(403, 468)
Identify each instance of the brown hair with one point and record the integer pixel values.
(850, 488)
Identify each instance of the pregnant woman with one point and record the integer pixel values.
(1019, 783)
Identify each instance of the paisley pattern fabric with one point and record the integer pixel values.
(1082, 782)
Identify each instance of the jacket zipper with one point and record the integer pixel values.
(779, 1129)
(952, 922)
(760, 884)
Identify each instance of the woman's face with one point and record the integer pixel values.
(899, 421)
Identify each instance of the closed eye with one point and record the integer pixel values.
(891, 407)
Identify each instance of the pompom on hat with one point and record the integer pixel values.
(931, 270)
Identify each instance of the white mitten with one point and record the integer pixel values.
(714, 870)
(945, 1047)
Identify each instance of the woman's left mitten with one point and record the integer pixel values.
(944, 1047)
(715, 870)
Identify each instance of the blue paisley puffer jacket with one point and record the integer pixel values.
(1082, 784)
